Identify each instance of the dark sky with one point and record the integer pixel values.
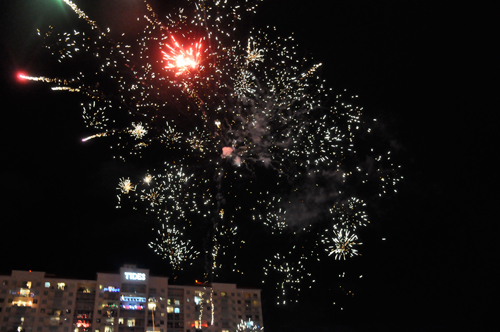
(407, 64)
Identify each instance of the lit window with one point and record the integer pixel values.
(61, 285)
(151, 306)
(170, 309)
(120, 321)
(177, 302)
(223, 294)
(177, 310)
(199, 324)
(54, 321)
(131, 322)
(47, 284)
(23, 302)
(24, 292)
(82, 323)
(108, 329)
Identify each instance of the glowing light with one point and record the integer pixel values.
(344, 243)
(181, 59)
(126, 186)
(139, 130)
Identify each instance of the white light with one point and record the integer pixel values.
(135, 276)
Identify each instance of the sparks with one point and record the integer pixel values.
(180, 59)
(243, 134)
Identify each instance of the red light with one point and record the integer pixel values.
(21, 77)
(182, 59)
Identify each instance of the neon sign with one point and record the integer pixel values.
(111, 289)
(132, 306)
(132, 299)
(135, 276)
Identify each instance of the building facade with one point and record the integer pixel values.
(129, 301)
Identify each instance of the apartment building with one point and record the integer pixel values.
(128, 301)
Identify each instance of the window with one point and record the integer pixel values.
(61, 285)
(47, 284)
(177, 310)
(130, 322)
(54, 321)
(197, 297)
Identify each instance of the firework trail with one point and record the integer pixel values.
(248, 137)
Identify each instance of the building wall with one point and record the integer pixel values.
(129, 301)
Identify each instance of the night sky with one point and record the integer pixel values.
(405, 60)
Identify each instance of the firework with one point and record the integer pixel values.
(249, 325)
(343, 244)
(248, 135)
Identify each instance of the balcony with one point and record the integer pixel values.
(21, 292)
(22, 301)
